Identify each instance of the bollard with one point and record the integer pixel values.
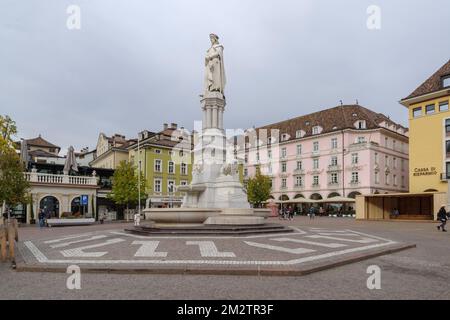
(11, 242)
(3, 243)
(16, 229)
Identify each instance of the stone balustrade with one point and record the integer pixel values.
(37, 177)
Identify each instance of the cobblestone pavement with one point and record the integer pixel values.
(422, 272)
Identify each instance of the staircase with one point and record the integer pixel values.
(208, 230)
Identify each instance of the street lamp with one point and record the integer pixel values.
(139, 175)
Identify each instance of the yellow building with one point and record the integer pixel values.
(429, 133)
(111, 151)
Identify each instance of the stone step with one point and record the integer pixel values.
(210, 230)
(413, 217)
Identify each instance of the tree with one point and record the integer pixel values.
(125, 185)
(8, 129)
(13, 185)
(258, 189)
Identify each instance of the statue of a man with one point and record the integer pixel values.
(215, 72)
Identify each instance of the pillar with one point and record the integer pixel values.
(214, 117)
(208, 117)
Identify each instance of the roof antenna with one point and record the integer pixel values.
(357, 101)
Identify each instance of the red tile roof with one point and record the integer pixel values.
(433, 83)
(41, 142)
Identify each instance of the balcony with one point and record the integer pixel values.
(299, 171)
(354, 182)
(333, 184)
(46, 178)
(315, 186)
(332, 168)
(298, 187)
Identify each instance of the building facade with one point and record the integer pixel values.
(343, 151)
(110, 151)
(429, 122)
(164, 158)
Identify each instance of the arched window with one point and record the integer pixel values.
(50, 206)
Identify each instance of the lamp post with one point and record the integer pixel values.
(139, 175)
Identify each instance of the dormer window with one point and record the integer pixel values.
(446, 82)
(307, 123)
(284, 137)
(316, 130)
(298, 134)
(360, 124)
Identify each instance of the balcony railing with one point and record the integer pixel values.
(36, 177)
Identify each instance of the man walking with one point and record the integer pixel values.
(442, 217)
(312, 212)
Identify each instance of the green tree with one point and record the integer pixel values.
(8, 129)
(258, 189)
(125, 185)
(13, 185)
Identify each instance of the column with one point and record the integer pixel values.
(204, 118)
(221, 118)
(208, 117)
(214, 117)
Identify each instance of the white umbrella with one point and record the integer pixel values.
(301, 200)
(336, 200)
(24, 153)
(71, 161)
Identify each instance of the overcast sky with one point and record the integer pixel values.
(136, 64)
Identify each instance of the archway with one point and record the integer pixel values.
(316, 196)
(354, 194)
(299, 195)
(334, 195)
(431, 190)
(283, 197)
(76, 208)
(50, 206)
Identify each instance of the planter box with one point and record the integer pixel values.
(70, 222)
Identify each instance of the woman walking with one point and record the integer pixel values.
(442, 217)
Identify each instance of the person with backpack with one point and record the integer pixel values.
(442, 217)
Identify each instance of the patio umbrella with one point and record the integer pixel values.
(336, 200)
(71, 161)
(301, 200)
(24, 153)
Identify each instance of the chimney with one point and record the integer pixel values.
(173, 125)
(165, 126)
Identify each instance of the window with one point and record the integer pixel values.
(417, 112)
(283, 167)
(269, 168)
(284, 137)
(395, 163)
(447, 148)
(183, 182)
(429, 109)
(315, 180)
(246, 158)
(355, 177)
(334, 144)
(316, 146)
(386, 160)
(376, 158)
(361, 140)
(377, 178)
(298, 181)
(283, 152)
(395, 179)
(184, 169)
(394, 143)
(315, 164)
(361, 124)
(283, 183)
(334, 178)
(386, 142)
(387, 178)
(403, 164)
(354, 158)
(257, 156)
(447, 127)
(170, 186)
(245, 172)
(299, 149)
(158, 151)
(171, 167)
(299, 165)
(446, 82)
(334, 161)
(158, 165)
(157, 185)
(403, 181)
(269, 154)
(443, 106)
(315, 130)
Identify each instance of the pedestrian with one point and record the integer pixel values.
(321, 211)
(41, 217)
(5, 217)
(312, 212)
(137, 219)
(291, 213)
(442, 217)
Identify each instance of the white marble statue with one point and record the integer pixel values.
(214, 68)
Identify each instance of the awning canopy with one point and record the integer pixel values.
(336, 200)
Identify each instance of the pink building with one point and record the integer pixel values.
(342, 151)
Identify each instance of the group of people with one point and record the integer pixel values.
(287, 213)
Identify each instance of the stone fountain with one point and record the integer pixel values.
(215, 198)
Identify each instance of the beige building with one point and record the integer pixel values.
(111, 151)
